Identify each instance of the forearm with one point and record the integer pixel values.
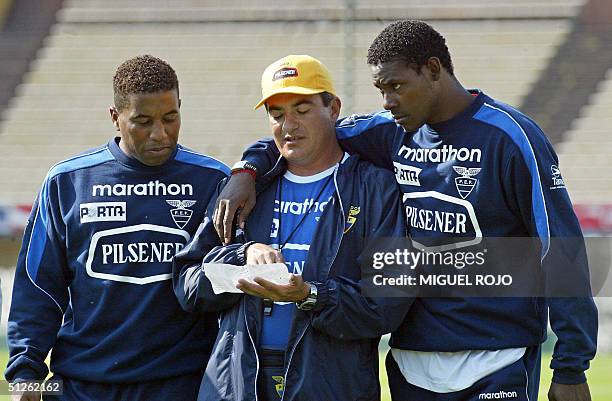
(574, 321)
(342, 311)
(263, 154)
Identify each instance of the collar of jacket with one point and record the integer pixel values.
(342, 184)
(328, 236)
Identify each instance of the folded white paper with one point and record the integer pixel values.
(225, 277)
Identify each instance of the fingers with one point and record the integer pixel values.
(238, 193)
(219, 211)
(293, 292)
(258, 254)
(227, 219)
(223, 218)
(246, 209)
(251, 288)
(262, 288)
(296, 279)
(268, 285)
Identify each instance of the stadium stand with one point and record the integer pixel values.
(585, 153)
(61, 107)
(23, 25)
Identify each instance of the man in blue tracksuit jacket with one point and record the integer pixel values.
(330, 350)
(93, 278)
(470, 169)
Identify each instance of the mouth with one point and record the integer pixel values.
(292, 139)
(159, 149)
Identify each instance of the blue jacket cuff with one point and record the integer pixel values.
(25, 374)
(241, 253)
(568, 377)
(323, 295)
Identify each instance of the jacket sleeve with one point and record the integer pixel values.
(40, 289)
(263, 154)
(370, 136)
(534, 179)
(191, 286)
(344, 307)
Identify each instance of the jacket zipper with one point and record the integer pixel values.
(254, 350)
(308, 325)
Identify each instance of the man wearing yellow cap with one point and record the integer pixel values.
(315, 338)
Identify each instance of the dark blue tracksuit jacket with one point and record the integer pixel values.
(332, 350)
(93, 278)
(488, 172)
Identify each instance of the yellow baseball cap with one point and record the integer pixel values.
(299, 74)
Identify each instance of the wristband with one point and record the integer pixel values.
(243, 164)
(246, 170)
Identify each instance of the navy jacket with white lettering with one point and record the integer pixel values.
(333, 349)
(489, 172)
(93, 279)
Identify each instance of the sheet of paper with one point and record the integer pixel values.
(225, 277)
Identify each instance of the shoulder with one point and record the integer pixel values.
(85, 160)
(372, 175)
(517, 126)
(188, 156)
(358, 123)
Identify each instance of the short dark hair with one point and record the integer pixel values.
(142, 74)
(411, 41)
(327, 98)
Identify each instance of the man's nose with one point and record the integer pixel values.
(158, 131)
(389, 101)
(290, 124)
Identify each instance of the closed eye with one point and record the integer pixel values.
(275, 114)
(303, 109)
(141, 121)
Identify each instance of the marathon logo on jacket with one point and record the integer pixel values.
(152, 188)
(498, 395)
(102, 211)
(406, 175)
(139, 254)
(440, 155)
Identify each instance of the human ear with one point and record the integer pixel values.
(114, 116)
(434, 68)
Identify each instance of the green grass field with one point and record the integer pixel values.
(599, 377)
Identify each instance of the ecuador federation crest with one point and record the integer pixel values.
(180, 214)
(280, 385)
(466, 182)
(352, 218)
